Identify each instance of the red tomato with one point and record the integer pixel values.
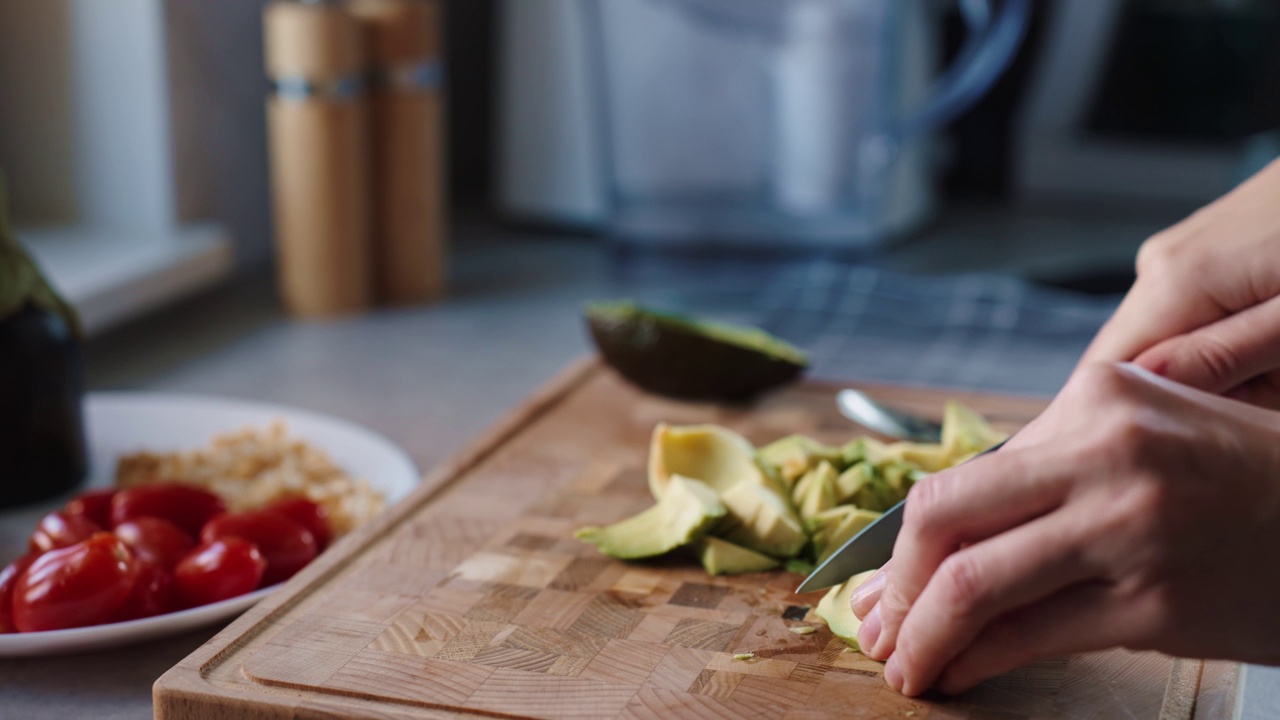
(8, 579)
(75, 586)
(286, 545)
(310, 515)
(218, 570)
(152, 594)
(187, 507)
(60, 529)
(155, 539)
(94, 505)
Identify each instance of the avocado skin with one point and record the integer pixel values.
(673, 357)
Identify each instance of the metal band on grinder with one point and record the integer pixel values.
(299, 88)
(408, 77)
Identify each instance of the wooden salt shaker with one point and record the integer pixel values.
(319, 138)
(404, 44)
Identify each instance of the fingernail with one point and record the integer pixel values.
(870, 630)
(892, 674)
(875, 583)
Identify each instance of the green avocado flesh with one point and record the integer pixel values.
(684, 357)
(834, 608)
(721, 557)
(760, 518)
(688, 509)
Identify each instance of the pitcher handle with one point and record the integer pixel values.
(988, 48)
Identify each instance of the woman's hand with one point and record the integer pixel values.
(1134, 512)
(1205, 310)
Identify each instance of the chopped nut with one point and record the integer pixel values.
(803, 629)
(745, 656)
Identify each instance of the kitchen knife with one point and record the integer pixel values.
(869, 549)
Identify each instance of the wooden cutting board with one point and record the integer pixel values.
(471, 597)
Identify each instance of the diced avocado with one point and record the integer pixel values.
(796, 455)
(760, 518)
(849, 482)
(835, 609)
(875, 494)
(712, 454)
(900, 477)
(819, 490)
(678, 356)
(929, 457)
(799, 566)
(721, 557)
(862, 449)
(831, 532)
(686, 511)
(965, 432)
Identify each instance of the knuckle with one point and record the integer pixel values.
(1219, 361)
(893, 604)
(1103, 379)
(1157, 253)
(963, 585)
(923, 504)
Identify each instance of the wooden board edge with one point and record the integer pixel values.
(185, 690)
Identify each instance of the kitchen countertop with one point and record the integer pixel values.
(430, 378)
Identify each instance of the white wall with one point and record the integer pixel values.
(216, 86)
(36, 138)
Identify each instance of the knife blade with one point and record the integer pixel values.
(869, 549)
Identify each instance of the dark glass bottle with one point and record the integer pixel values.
(42, 439)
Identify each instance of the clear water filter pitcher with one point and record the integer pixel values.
(779, 123)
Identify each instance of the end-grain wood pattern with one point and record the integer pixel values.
(472, 598)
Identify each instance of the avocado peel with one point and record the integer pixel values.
(690, 358)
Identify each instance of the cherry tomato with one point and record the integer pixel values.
(94, 505)
(8, 579)
(187, 507)
(60, 529)
(218, 570)
(156, 539)
(152, 594)
(310, 515)
(286, 545)
(75, 586)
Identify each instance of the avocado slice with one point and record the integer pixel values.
(721, 557)
(713, 454)
(875, 494)
(900, 477)
(761, 518)
(684, 357)
(795, 455)
(929, 457)
(799, 566)
(965, 432)
(833, 528)
(816, 491)
(863, 449)
(849, 482)
(686, 511)
(835, 609)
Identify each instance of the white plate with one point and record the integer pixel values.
(119, 423)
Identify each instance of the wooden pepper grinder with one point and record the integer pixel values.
(403, 38)
(319, 138)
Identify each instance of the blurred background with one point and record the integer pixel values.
(841, 172)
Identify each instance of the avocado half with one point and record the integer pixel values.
(688, 358)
